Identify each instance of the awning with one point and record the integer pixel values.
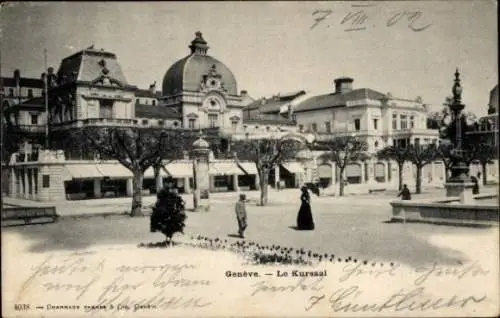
(293, 167)
(325, 171)
(83, 171)
(225, 168)
(353, 170)
(114, 170)
(150, 173)
(249, 167)
(180, 169)
(379, 170)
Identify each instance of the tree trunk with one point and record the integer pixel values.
(400, 176)
(264, 177)
(483, 169)
(341, 184)
(137, 193)
(418, 187)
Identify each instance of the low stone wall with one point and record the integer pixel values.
(444, 211)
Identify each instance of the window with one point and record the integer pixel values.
(268, 128)
(394, 121)
(213, 120)
(161, 122)
(46, 181)
(191, 123)
(30, 93)
(137, 101)
(11, 92)
(106, 109)
(144, 121)
(176, 124)
(301, 128)
(412, 122)
(417, 142)
(376, 144)
(404, 121)
(153, 103)
(328, 127)
(357, 124)
(314, 127)
(234, 124)
(375, 124)
(34, 119)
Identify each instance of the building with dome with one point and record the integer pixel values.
(203, 89)
(90, 89)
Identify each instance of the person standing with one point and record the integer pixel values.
(405, 193)
(304, 218)
(475, 187)
(241, 215)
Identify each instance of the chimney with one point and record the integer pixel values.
(343, 85)
(243, 93)
(152, 88)
(290, 112)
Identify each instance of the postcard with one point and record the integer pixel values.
(249, 159)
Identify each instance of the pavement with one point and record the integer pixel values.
(354, 227)
(111, 206)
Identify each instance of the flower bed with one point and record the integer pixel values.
(258, 254)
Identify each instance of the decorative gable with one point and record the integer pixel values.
(212, 80)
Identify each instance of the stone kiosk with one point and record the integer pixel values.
(201, 194)
(41, 179)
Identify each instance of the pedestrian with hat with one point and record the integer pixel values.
(241, 215)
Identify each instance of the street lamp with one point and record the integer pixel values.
(459, 170)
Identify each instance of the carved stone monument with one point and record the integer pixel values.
(459, 185)
(201, 197)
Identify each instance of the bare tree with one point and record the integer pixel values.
(399, 155)
(266, 153)
(484, 152)
(445, 154)
(343, 151)
(420, 156)
(135, 148)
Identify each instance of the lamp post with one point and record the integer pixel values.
(459, 170)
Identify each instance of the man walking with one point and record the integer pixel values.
(241, 215)
(405, 193)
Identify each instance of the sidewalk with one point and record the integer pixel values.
(117, 206)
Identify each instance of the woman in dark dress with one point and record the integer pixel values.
(304, 218)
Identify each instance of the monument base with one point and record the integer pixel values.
(463, 190)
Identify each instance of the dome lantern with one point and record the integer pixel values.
(199, 45)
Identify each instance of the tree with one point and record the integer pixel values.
(168, 215)
(484, 153)
(343, 151)
(445, 154)
(135, 148)
(420, 156)
(398, 154)
(266, 153)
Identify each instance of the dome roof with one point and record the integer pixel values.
(200, 143)
(187, 73)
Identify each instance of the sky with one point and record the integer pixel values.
(409, 48)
